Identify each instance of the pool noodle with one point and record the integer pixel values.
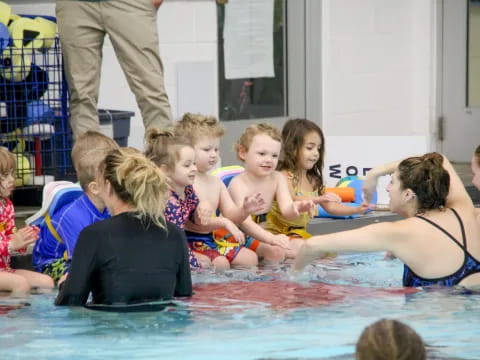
(5, 12)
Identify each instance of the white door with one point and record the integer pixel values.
(461, 79)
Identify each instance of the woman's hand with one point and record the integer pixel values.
(306, 256)
(281, 240)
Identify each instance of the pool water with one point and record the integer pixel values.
(251, 314)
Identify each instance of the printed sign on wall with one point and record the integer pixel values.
(356, 155)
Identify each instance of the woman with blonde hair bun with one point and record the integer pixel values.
(135, 256)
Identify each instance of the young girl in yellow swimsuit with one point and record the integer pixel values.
(301, 162)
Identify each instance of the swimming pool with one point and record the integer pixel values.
(251, 314)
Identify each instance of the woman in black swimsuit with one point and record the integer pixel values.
(135, 256)
(439, 241)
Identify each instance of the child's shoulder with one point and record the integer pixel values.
(236, 181)
(214, 180)
(278, 175)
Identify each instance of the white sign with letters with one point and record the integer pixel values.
(355, 155)
(248, 39)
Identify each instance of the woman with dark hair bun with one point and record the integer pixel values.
(439, 239)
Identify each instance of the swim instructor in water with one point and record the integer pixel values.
(135, 256)
(439, 239)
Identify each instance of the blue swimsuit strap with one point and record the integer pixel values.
(464, 238)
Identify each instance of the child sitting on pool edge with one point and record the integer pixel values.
(175, 156)
(259, 149)
(52, 253)
(13, 241)
(301, 163)
(205, 133)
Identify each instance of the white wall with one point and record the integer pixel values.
(187, 33)
(378, 66)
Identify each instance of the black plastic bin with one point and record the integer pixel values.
(120, 123)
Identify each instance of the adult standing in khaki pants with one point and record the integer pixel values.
(132, 28)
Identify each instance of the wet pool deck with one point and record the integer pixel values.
(319, 226)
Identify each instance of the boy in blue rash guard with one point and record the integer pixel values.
(54, 249)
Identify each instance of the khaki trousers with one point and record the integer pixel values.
(132, 28)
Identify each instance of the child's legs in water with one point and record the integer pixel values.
(270, 253)
(245, 257)
(16, 284)
(203, 260)
(221, 263)
(35, 279)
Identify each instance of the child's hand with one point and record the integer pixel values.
(281, 240)
(329, 197)
(203, 214)
(253, 204)
(24, 237)
(300, 206)
(364, 207)
(236, 232)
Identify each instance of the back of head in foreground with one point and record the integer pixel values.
(137, 183)
(390, 340)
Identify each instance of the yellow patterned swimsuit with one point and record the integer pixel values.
(277, 224)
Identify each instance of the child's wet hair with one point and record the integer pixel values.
(195, 126)
(163, 147)
(293, 136)
(251, 131)
(427, 178)
(88, 151)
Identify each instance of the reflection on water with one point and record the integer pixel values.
(264, 313)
